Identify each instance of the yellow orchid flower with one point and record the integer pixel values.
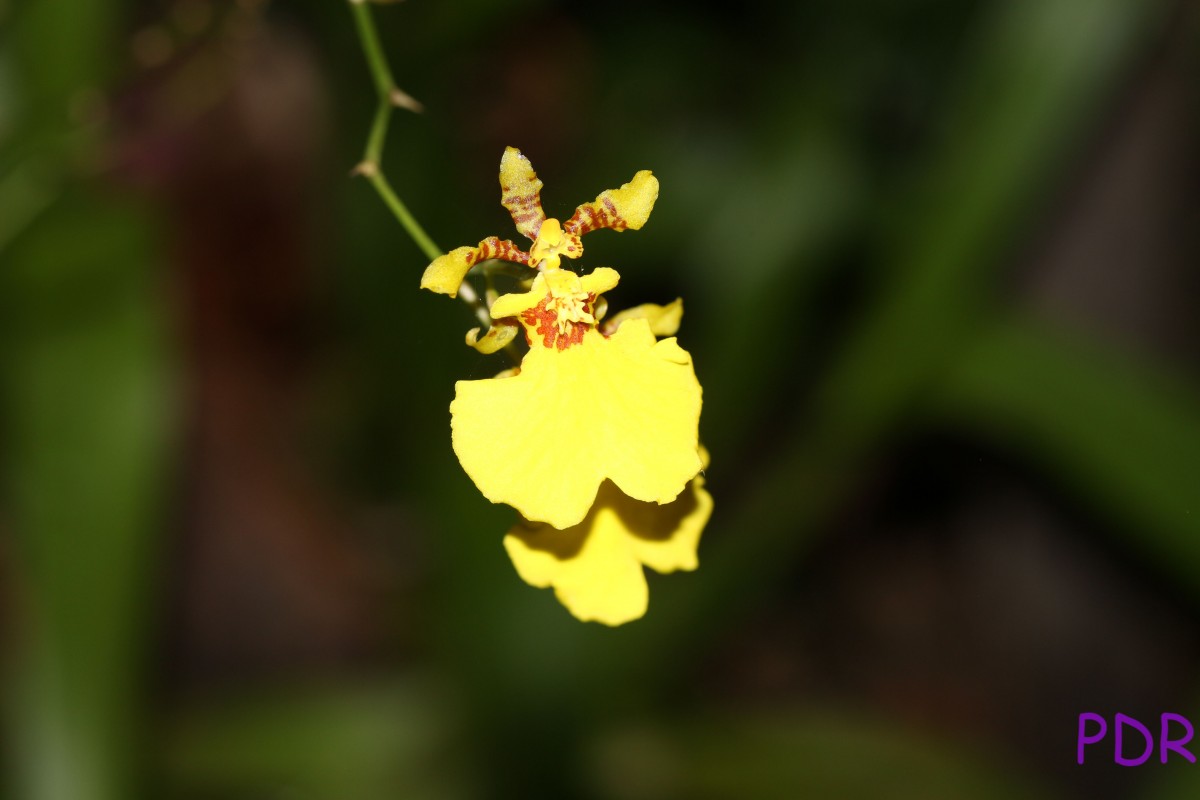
(521, 193)
(595, 567)
(583, 408)
(587, 405)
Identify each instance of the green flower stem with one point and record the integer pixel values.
(369, 37)
(370, 170)
(371, 167)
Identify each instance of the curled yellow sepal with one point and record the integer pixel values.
(663, 320)
(595, 567)
(497, 337)
(619, 209)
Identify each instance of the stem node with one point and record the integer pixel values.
(365, 169)
(402, 99)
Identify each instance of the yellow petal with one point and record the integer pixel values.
(600, 280)
(596, 567)
(510, 305)
(521, 192)
(663, 320)
(624, 407)
(627, 207)
(497, 337)
(446, 273)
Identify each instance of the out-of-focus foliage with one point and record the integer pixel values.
(1120, 432)
(84, 429)
(799, 754)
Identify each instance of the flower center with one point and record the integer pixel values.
(570, 308)
(564, 315)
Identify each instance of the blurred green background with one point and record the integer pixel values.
(939, 265)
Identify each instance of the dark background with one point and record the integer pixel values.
(939, 266)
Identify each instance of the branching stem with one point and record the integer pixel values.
(371, 166)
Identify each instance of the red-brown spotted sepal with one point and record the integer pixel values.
(521, 192)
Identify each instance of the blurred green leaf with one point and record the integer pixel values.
(55, 53)
(61, 46)
(1126, 437)
(783, 756)
(9, 96)
(366, 741)
(25, 192)
(84, 396)
(757, 256)
(1040, 71)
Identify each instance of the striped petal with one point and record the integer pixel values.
(447, 272)
(627, 207)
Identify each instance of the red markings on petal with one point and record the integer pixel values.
(495, 247)
(543, 320)
(525, 209)
(593, 216)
